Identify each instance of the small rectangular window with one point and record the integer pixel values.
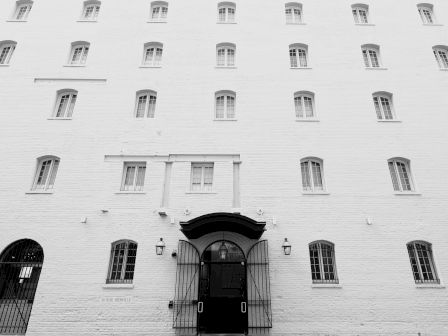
(201, 177)
(133, 176)
(47, 169)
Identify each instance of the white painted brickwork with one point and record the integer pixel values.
(377, 295)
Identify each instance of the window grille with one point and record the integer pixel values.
(47, 169)
(401, 176)
(304, 105)
(145, 105)
(20, 267)
(226, 12)
(298, 56)
(323, 266)
(422, 262)
(65, 104)
(201, 177)
(225, 105)
(22, 10)
(312, 175)
(133, 176)
(426, 14)
(441, 55)
(225, 55)
(6, 50)
(293, 13)
(79, 54)
(153, 54)
(383, 106)
(122, 262)
(360, 14)
(159, 11)
(91, 10)
(371, 57)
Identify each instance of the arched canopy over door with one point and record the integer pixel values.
(20, 267)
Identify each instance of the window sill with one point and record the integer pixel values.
(365, 24)
(218, 22)
(74, 65)
(225, 119)
(409, 193)
(87, 21)
(315, 193)
(433, 24)
(317, 285)
(435, 285)
(388, 121)
(130, 192)
(55, 118)
(4, 65)
(295, 24)
(225, 67)
(16, 20)
(300, 68)
(378, 68)
(150, 66)
(307, 120)
(201, 192)
(155, 21)
(118, 286)
(34, 192)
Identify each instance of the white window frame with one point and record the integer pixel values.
(203, 186)
(27, 6)
(138, 177)
(318, 245)
(150, 104)
(82, 60)
(155, 61)
(226, 7)
(400, 176)
(228, 62)
(413, 253)
(293, 17)
(441, 55)
(302, 96)
(358, 17)
(313, 187)
(431, 20)
(227, 97)
(5, 56)
(124, 262)
(65, 110)
(297, 61)
(161, 14)
(371, 61)
(45, 176)
(96, 7)
(380, 101)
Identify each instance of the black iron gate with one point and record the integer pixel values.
(20, 267)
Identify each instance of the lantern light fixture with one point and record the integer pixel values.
(286, 247)
(160, 246)
(223, 250)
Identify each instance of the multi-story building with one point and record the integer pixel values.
(157, 154)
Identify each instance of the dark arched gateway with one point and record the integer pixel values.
(20, 267)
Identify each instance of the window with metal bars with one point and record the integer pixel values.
(6, 50)
(225, 105)
(91, 10)
(225, 55)
(201, 177)
(145, 104)
(122, 262)
(422, 262)
(400, 173)
(65, 104)
(371, 55)
(322, 260)
(226, 12)
(152, 54)
(383, 106)
(441, 55)
(298, 55)
(304, 105)
(79, 52)
(159, 11)
(293, 13)
(360, 13)
(312, 175)
(47, 168)
(133, 176)
(23, 8)
(426, 12)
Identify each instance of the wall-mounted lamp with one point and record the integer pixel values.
(160, 246)
(174, 254)
(369, 221)
(286, 247)
(84, 220)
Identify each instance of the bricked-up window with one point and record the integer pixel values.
(441, 54)
(226, 12)
(298, 55)
(6, 50)
(400, 172)
(201, 177)
(47, 168)
(225, 105)
(133, 176)
(323, 265)
(225, 55)
(79, 52)
(145, 104)
(383, 106)
(293, 13)
(122, 262)
(304, 105)
(159, 11)
(152, 54)
(360, 13)
(426, 12)
(23, 8)
(422, 262)
(371, 55)
(91, 10)
(65, 103)
(312, 174)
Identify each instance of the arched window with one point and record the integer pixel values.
(312, 174)
(426, 12)
(47, 168)
(159, 11)
(20, 267)
(298, 55)
(323, 265)
(65, 103)
(304, 105)
(371, 55)
(91, 10)
(6, 50)
(122, 262)
(383, 105)
(79, 52)
(293, 12)
(400, 172)
(145, 104)
(23, 8)
(225, 55)
(225, 104)
(152, 55)
(422, 262)
(441, 54)
(360, 13)
(226, 12)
